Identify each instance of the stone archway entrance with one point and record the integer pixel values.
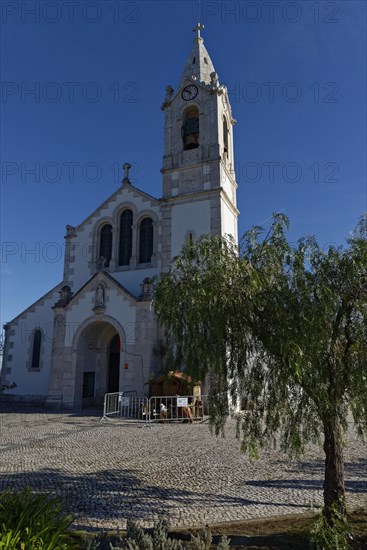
(98, 363)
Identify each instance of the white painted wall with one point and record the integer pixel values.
(192, 216)
(21, 347)
(228, 187)
(132, 279)
(229, 221)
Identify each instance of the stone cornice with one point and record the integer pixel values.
(187, 197)
(182, 168)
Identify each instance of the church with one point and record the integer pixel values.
(96, 331)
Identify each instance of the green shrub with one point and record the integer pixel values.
(103, 541)
(224, 543)
(33, 522)
(203, 541)
(138, 539)
(10, 541)
(324, 536)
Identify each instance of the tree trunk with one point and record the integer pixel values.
(334, 491)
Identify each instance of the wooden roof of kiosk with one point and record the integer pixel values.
(174, 383)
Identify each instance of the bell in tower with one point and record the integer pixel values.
(190, 129)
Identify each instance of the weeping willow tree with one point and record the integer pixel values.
(281, 327)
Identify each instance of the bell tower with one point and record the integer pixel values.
(199, 181)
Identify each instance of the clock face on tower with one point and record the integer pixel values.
(190, 92)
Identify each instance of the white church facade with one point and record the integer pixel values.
(96, 331)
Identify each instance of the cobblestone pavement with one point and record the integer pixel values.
(110, 471)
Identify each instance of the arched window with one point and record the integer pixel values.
(105, 244)
(126, 237)
(225, 137)
(190, 129)
(36, 352)
(146, 241)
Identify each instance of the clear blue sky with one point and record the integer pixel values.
(296, 72)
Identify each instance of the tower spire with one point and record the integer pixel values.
(198, 66)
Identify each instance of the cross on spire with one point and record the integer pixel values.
(198, 29)
(127, 168)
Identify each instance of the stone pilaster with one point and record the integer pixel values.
(55, 397)
(58, 355)
(166, 236)
(69, 253)
(146, 341)
(5, 369)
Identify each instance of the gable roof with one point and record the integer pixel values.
(102, 274)
(120, 190)
(38, 302)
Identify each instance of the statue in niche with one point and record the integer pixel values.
(99, 301)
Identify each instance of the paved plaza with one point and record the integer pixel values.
(110, 471)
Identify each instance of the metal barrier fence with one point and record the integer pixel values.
(176, 408)
(125, 405)
(172, 408)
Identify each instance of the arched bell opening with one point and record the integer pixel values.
(225, 139)
(191, 129)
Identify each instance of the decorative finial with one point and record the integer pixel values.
(127, 168)
(197, 29)
(101, 263)
(167, 100)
